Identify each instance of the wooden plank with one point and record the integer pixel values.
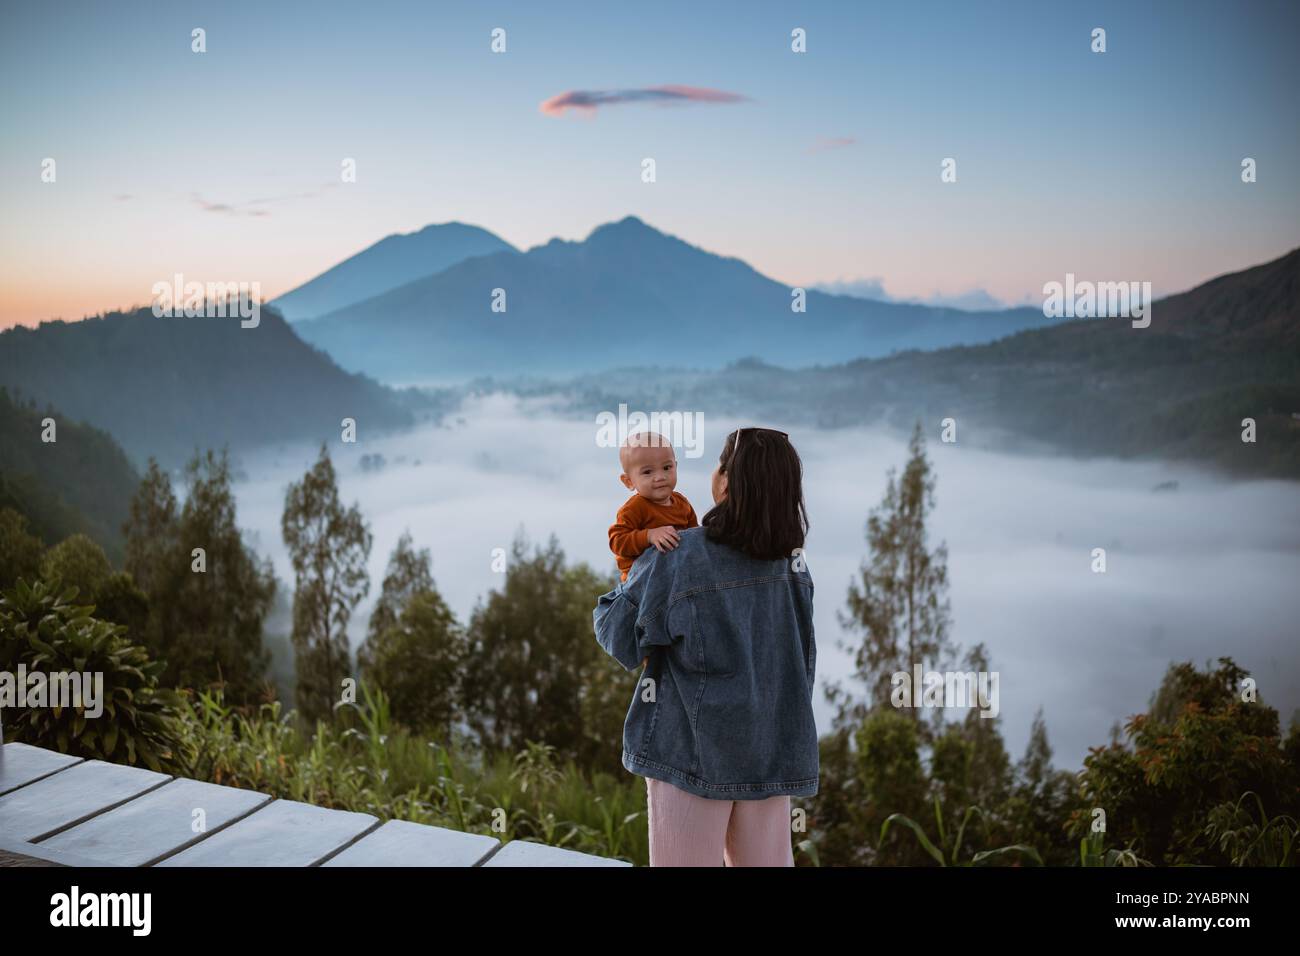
(523, 853)
(158, 823)
(402, 843)
(43, 856)
(8, 859)
(21, 764)
(62, 809)
(70, 796)
(282, 833)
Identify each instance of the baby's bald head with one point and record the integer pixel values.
(642, 446)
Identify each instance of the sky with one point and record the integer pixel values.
(816, 167)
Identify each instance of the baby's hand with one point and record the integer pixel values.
(663, 539)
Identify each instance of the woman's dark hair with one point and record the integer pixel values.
(763, 514)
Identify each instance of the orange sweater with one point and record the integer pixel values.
(628, 534)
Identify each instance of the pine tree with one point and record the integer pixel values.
(409, 573)
(328, 546)
(204, 620)
(899, 601)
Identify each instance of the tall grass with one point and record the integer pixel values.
(362, 761)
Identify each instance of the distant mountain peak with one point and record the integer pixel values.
(627, 227)
(441, 227)
(393, 261)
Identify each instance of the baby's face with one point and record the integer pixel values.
(652, 473)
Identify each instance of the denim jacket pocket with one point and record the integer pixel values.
(648, 717)
(672, 642)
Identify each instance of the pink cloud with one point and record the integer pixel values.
(831, 142)
(588, 101)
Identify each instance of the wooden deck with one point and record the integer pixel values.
(61, 810)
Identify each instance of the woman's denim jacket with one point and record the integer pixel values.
(724, 708)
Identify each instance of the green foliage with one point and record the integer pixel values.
(899, 601)
(81, 563)
(535, 766)
(47, 481)
(77, 562)
(206, 625)
(409, 572)
(282, 679)
(1040, 800)
(151, 531)
(948, 851)
(328, 546)
(419, 661)
(366, 762)
(415, 648)
(807, 849)
(44, 631)
(120, 601)
(535, 672)
(1268, 841)
(20, 552)
(877, 773)
(889, 765)
(835, 813)
(1093, 852)
(1201, 747)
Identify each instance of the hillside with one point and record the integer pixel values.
(164, 386)
(80, 483)
(626, 294)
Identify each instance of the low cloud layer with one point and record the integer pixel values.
(1201, 572)
(972, 300)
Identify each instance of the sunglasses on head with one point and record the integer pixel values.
(741, 431)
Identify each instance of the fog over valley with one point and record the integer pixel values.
(1197, 567)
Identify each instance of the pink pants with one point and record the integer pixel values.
(686, 830)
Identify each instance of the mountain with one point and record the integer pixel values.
(80, 483)
(1258, 307)
(392, 261)
(1222, 352)
(164, 386)
(626, 294)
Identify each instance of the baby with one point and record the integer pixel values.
(651, 517)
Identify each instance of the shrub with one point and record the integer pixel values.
(20, 551)
(1202, 746)
(77, 561)
(43, 630)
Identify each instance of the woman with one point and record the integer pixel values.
(721, 724)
